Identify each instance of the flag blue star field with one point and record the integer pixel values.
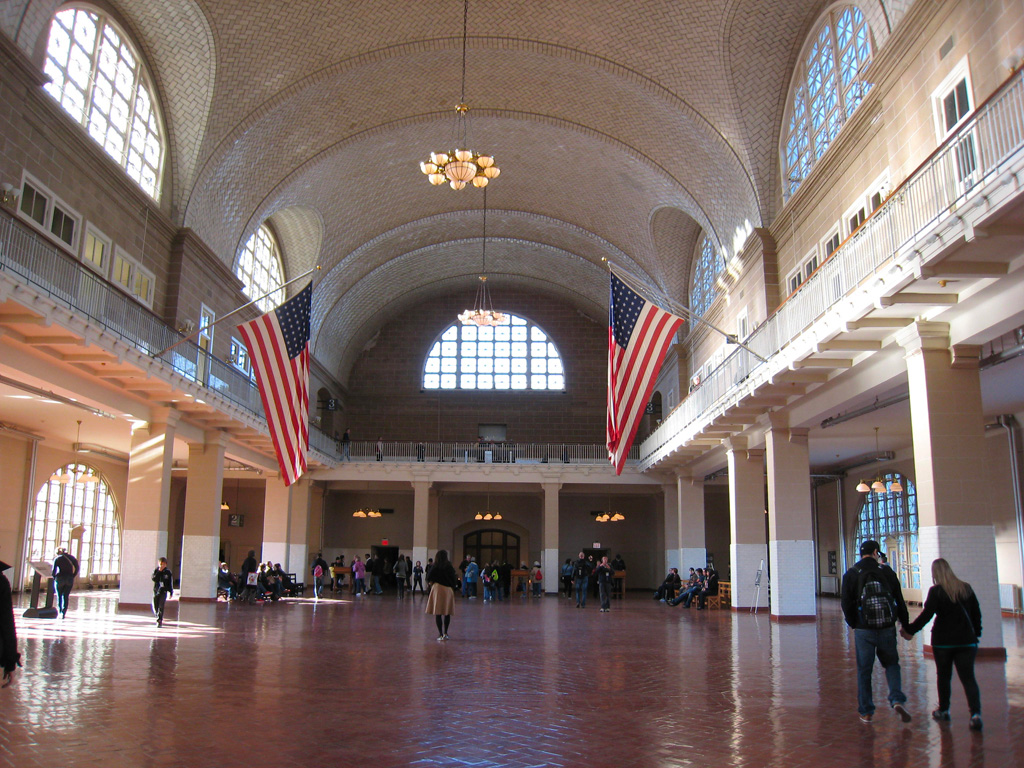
(639, 337)
(278, 344)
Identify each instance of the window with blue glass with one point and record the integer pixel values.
(890, 518)
(704, 289)
(829, 87)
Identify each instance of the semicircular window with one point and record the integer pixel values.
(703, 291)
(829, 86)
(259, 269)
(517, 355)
(98, 77)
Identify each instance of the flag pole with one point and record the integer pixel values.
(219, 320)
(638, 286)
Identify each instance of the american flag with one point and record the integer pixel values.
(278, 344)
(639, 337)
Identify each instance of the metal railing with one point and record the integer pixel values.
(40, 264)
(957, 170)
(479, 453)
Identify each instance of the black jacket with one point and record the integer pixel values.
(163, 581)
(956, 624)
(443, 575)
(65, 568)
(9, 656)
(851, 600)
(581, 569)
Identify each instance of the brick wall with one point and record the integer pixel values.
(385, 398)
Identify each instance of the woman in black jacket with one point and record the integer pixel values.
(441, 601)
(954, 637)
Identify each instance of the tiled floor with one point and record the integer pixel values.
(526, 683)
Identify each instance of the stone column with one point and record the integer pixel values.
(790, 523)
(276, 509)
(947, 422)
(693, 551)
(200, 546)
(146, 505)
(671, 526)
(748, 547)
(421, 513)
(549, 536)
(299, 512)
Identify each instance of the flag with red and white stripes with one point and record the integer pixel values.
(639, 337)
(278, 344)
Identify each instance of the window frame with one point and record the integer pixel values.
(135, 272)
(267, 303)
(92, 231)
(865, 204)
(704, 271)
(53, 204)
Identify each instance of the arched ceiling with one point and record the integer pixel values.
(624, 131)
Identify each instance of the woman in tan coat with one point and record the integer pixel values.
(441, 601)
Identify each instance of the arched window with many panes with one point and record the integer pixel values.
(515, 355)
(828, 87)
(259, 268)
(99, 78)
(890, 518)
(704, 288)
(76, 497)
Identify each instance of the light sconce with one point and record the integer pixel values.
(10, 194)
(1011, 62)
(187, 327)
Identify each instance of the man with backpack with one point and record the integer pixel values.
(872, 603)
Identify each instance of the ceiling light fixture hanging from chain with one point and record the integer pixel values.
(486, 514)
(483, 312)
(459, 167)
(878, 485)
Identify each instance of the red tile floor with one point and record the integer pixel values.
(344, 682)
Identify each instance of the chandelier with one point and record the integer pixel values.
(609, 517)
(483, 312)
(85, 475)
(487, 515)
(878, 485)
(367, 512)
(460, 167)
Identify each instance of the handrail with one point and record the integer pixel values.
(475, 452)
(956, 170)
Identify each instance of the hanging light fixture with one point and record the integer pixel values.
(367, 512)
(487, 514)
(460, 167)
(483, 312)
(878, 484)
(84, 476)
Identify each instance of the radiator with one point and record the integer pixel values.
(1010, 598)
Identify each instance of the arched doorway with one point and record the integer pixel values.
(890, 518)
(492, 544)
(77, 495)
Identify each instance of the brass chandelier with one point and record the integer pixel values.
(878, 485)
(483, 312)
(460, 167)
(486, 514)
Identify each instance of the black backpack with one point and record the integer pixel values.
(875, 600)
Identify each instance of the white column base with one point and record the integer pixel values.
(691, 557)
(971, 552)
(199, 566)
(275, 552)
(420, 553)
(746, 560)
(672, 559)
(139, 552)
(792, 591)
(298, 562)
(551, 570)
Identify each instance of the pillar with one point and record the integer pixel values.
(790, 523)
(421, 514)
(200, 545)
(671, 526)
(299, 513)
(549, 553)
(693, 551)
(947, 423)
(146, 505)
(748, 550)
(276, 509)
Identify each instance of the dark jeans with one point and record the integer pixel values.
(63, 596)
(159, 599)
(686, 595)
(881, 643)
(417, 579)
(963, 659)
(581, 591)
(606, 594)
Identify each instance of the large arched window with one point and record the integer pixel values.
(890, 518)
(514, 355)
(704, 290)
(259, 269)
(98, 77)
(492, 546)
(75, 496)
(828, 88)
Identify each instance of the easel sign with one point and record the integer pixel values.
(757, 588)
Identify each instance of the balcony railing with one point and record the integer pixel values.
(37, 262)
(479, 453)
(957, 170)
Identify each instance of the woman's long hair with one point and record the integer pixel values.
(441, 558)
(942, 574)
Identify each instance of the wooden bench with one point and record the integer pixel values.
(724, 597)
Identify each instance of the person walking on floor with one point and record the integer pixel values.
(417, 578)
(9, 656)
(580, 577)
(163, 587)
(65, 569)
(604, 583)
(441, 600)
(317, 571)
(472, 572)
(955, 635)
(401, 572)
(872, 603)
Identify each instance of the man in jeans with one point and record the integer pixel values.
(874, 630)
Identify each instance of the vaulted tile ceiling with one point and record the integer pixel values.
(624, 130)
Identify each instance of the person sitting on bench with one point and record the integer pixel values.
(669, 586)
